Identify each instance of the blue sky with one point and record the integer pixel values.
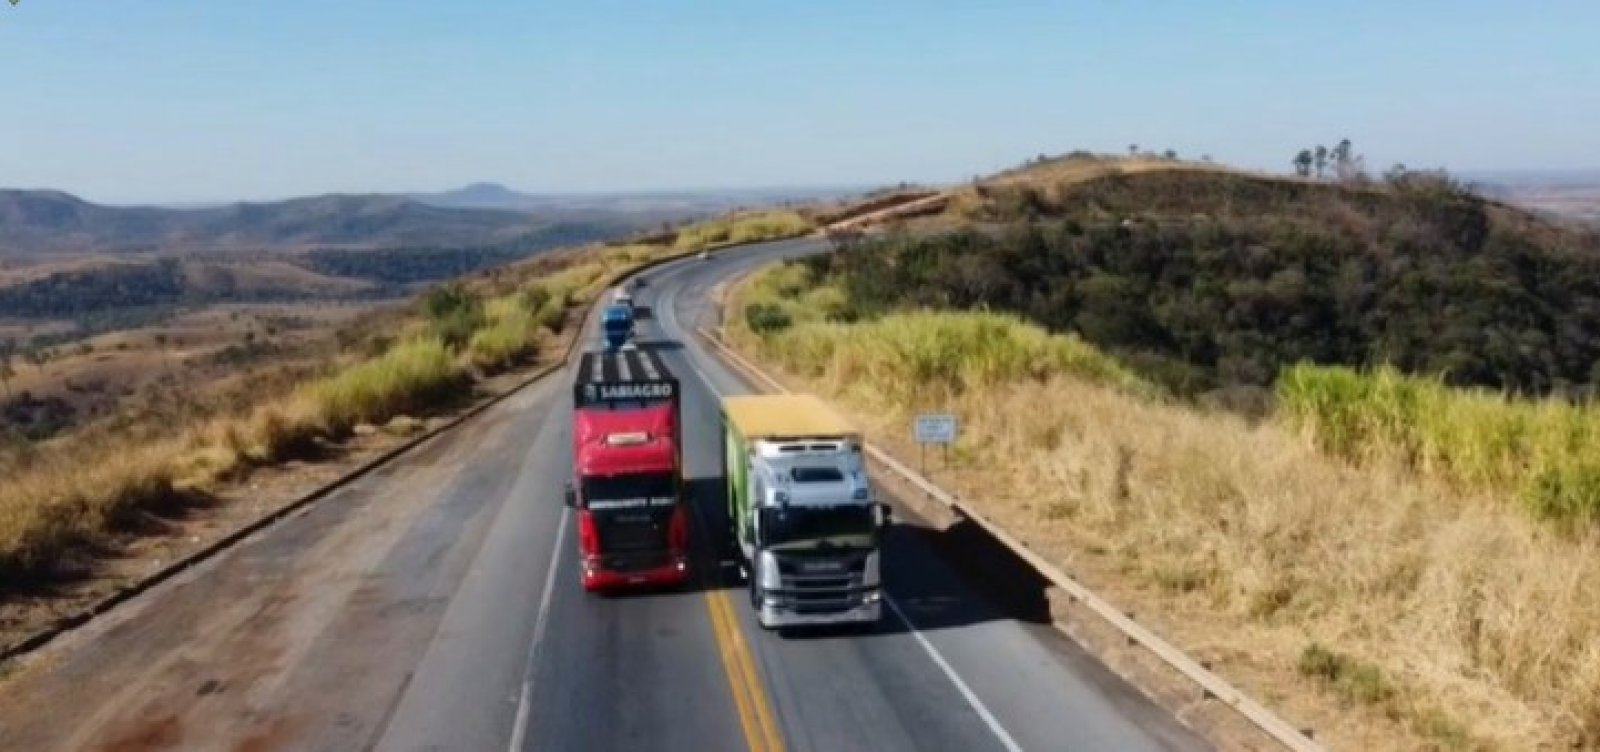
(182, 100)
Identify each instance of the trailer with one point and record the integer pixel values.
(801, 512)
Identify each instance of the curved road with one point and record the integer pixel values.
(434, 605)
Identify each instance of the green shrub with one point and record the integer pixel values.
(766, 318)
(507, 342)
(535, 297)
(453, 313)
(1354, 681)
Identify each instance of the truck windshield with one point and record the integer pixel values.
(804, 527)
(622, 491)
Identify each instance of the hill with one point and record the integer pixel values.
(658, 206)
(1207, 279)
(36, 223)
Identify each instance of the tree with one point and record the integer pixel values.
(166, 359)
(1170, 155)
(1321, 157)
(1133, 150)
(1302, 163)
(1341, 152)
(7, 349)
(1348, 167)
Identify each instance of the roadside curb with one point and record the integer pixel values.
(85, 615)
(1213, 686)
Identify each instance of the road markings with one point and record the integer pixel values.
(988, 718)
(961, 686)
(519, 730)
(749, 695)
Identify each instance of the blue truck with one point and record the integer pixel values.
(616, 323)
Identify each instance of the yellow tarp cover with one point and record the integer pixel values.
(763, 416)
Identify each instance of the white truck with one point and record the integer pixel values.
(802, 512)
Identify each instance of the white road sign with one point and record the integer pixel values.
(936, 428)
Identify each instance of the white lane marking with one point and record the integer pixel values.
(961, 686)
(967, 694)
(519, 730)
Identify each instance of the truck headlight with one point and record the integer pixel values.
(872, 596)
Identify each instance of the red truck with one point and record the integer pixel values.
(627, 462)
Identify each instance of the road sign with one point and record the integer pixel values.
(936, 428)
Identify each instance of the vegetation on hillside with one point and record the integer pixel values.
(1545, 454)
(742, 228)
(1432, 608)
(1210, 280)
(71, 294)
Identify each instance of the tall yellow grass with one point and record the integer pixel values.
(742, 228)
(411, 377)
(515, 322)
(1546, 453)
(1387, 611)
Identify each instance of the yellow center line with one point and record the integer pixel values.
(763, 706)
(749, 696)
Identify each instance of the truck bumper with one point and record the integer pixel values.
(773, 616)
(596, 579)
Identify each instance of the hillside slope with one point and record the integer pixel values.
(1208, 279)
(51, 222)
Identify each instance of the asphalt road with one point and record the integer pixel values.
(435, 605)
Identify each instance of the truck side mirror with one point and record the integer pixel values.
(887, 512)
(571, 497)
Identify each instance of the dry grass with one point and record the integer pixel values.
(65, 501)
(1454, 620)
(742, 228)
(512, 335)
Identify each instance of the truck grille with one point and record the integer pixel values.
(633, 541)
(813, 584)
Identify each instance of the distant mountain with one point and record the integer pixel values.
(659, 205)
(479, 196)
(52, 222)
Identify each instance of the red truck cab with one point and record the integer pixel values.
(627, 486)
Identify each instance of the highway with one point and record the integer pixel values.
(435, 605)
